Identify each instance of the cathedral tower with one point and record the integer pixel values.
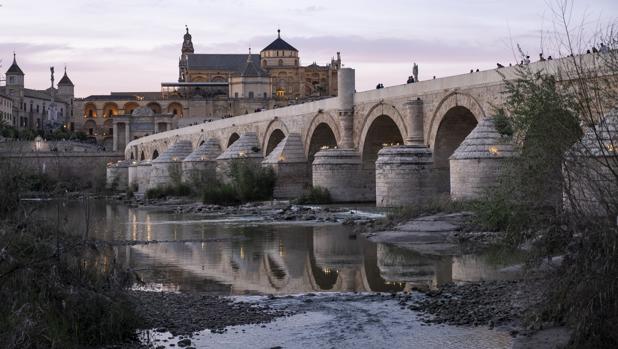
(187, 49)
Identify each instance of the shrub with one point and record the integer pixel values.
(58, 291)
(252, 182)
(247, 182)
(316, 195)
(220, 194)
(169, 190)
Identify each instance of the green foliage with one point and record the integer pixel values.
(175, 173)
(252, 182)
(316, 195)
(543, 120)
(220, 194)
(169, 190)
(502, 123)
(527, 205)
(59, 292)
(247, 182)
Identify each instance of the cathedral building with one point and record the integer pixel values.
(209, 87)
(30, 108)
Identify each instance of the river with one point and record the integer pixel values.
(245, 258)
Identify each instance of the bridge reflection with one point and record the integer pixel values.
(272, 259)
(284, 259)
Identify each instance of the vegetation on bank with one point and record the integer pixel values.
(532, 203)
(58, 290)
(245, 182)
(316, 195)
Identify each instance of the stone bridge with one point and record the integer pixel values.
(337, 140)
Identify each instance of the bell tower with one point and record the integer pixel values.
(187, 49)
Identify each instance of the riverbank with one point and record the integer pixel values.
(506, 305)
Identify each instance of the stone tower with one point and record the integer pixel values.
(66, 89)
(187, 49)
(15, 79)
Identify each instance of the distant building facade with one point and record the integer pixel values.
(6, 110)
(30, 108)
(209, 87)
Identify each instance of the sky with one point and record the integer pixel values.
(134, 45)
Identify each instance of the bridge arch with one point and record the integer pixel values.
(322, 131)
(451, 100)
(375, 112)
(379, 131)
(275, 132)
(231, 139)
(454, 126)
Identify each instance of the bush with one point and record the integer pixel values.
(220, 194)
(248, 182)
(60, 292)
(316, 195)
(252, 182)
(169, 190)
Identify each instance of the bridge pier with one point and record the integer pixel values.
(405, 175)
(291, 167)
(132, 173)
(117, 175)
(476, 165)
(340, 171)
(143, 175)
(201, 165)
(167, 168)
(591, 179)
(246, 148)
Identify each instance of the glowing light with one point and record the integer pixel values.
(610, 148)
(242, 154)
(281, 158)
(493, 150)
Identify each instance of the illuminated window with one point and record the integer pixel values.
(280, 92)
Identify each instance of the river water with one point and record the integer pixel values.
(246, 258)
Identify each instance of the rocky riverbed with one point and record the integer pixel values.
(184, 314)
(267, 212)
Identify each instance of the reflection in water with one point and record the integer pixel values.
(270, 259)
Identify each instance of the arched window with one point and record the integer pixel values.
(251, 94)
